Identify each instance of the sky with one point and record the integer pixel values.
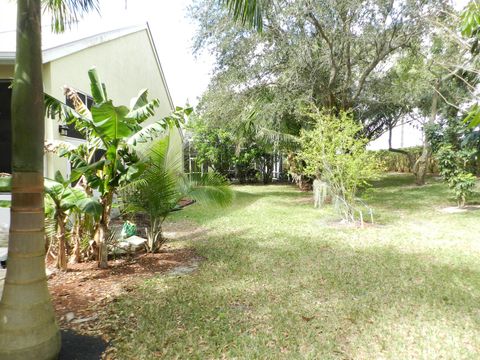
(187, 76)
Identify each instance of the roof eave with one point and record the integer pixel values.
(72, 47)
(7, 58)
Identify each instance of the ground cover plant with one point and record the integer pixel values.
(282, 280)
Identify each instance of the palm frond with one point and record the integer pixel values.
(248, 12)
(65, 13)
(277, 136)
(210, 188)
(156, 192)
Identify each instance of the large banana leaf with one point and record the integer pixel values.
(141, 108)
(66, 198)
(110, 121)
(148, 133)
(90, 207)
(99, 92)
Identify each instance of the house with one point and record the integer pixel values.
(404, 135)
(126, 60)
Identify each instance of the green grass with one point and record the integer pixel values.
(281, 280)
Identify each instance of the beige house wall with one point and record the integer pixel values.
(6, 71)
(126, 65)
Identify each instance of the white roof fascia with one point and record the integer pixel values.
(159, 65)
(60, 51)
(7, 58)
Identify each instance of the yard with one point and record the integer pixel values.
(279, 279)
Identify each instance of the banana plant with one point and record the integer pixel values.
(63, 201)
(157, 192)
(115, 130)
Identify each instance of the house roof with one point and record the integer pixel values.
(55, 46)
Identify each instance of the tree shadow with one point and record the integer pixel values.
(265, 278)
(81, 347)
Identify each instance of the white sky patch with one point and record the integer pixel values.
(187, 76)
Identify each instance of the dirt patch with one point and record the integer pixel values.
(456, 209)
(174, 231)
(342, 224)
(184, 231)
(303, 200)
(78, 293)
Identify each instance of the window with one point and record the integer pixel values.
(70, 130)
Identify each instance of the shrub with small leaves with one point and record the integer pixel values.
(452, 165)
(462, 184)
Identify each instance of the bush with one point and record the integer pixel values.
(453, 165)
(462, 185)
(334, 152)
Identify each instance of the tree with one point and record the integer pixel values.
(329, 53)
(163, 184)
(456, 152)
(470, 27)
(212, 145)
(28, 329)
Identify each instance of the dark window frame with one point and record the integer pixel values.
(71, 131)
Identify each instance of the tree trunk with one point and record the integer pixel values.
(102, 231)
(27, 326)
(62, 250)
(421, 165)
(267, 169)
(76, 236)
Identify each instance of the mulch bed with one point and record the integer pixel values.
(81, 294)
(84, 289)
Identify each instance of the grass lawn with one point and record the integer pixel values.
(281, 280)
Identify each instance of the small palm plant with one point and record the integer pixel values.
(163, 184)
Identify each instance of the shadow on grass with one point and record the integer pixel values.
(81, 347)
(394, 180)
(245, 195)
(264, 293)
(340, 289)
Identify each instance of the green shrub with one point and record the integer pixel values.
(334, 152)
(453, 165)
(462, 185)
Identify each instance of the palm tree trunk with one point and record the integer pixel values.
(27, 327)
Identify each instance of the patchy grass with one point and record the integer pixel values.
(280, 280)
